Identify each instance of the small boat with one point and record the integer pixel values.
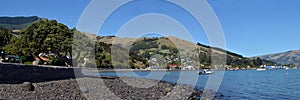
(260, 69)
(286, 68)
(205, 72)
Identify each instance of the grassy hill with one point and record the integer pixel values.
(172, 42)
(144, 48)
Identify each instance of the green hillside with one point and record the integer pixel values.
(17, 23)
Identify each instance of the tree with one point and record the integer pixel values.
(42, 37)
(164, 47)
(258, 61)
(103, 57)
(5, 37)
(82, 47)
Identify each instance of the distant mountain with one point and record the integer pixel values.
(18, 23)
(289, 57)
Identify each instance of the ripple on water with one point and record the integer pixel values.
(251, 84)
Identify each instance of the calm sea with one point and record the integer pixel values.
(242, 84)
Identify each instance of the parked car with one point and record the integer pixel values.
(11, 58)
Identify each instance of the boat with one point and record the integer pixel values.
(286, 68)
(205, 72)
(260, 69)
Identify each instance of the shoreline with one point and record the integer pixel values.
(47, 82)
(112, 70)
(18, 81)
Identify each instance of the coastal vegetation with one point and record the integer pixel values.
(54, 41)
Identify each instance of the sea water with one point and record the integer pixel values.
(241, 84)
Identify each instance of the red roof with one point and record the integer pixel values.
(173, 65)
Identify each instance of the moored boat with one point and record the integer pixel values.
(260, 69)
(205, 72)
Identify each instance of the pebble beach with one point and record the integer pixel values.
(104, 88)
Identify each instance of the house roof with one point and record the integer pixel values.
(173, 65)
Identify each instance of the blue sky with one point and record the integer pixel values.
(251, 27)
